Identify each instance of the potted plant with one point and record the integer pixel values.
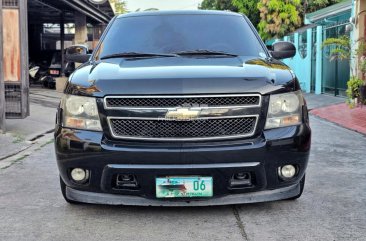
(353, 91)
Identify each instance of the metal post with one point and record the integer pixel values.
(24, 74)
(308, 59)
(2, 87)
(62, 37)
(319, 59)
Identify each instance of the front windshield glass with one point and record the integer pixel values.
(179, 33)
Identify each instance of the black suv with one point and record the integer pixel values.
(180, 108)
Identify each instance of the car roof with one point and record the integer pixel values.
(178, 12)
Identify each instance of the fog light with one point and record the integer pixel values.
(287, 171)
(79, 175)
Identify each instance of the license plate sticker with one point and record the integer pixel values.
(54, 72)
(180, 187)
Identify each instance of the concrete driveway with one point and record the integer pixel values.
(333, 206)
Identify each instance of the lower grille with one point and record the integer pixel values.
(161, 129)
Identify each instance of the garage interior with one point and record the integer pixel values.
(35, 33)
(56, 25)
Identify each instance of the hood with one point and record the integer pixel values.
(181, 75)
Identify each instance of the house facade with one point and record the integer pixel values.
(312, 64)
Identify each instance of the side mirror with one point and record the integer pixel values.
(283, 50)
(78, 58)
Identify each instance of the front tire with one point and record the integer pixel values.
(63, 191)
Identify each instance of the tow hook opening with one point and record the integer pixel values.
(241, 180)
(126, 181)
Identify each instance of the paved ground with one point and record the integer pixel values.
(342, 114)
(333, 206)
(317, 101)
(43, 104)
(21, 133)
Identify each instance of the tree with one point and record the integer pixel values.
(218, 5)
(314, 5)
(340, 48)
(278, 17)
(309, 6)
(119, 6)
(249, 8)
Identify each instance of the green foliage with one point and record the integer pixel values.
(273, 18)
(314, 5)
(249, 8)
(218, 5)
(361, 48)
(119, 6)
(309, 6)
(340, 48)
(353, 90)
(278, 17)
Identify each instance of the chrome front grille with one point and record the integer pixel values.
(113, 102)
(182, 130)
(181, 118)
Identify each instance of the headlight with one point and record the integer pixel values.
(284, 110)
(80, 112)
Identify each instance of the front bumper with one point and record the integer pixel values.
(115, 199)
(261, 156)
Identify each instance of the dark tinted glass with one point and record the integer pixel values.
(175, 33)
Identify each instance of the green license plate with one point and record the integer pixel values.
(178, 187)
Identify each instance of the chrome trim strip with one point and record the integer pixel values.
(183, 166)
(182, 139)
(179, 96)
(165, 119)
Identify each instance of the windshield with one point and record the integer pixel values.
(167, 34)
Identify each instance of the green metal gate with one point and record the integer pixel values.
(335, 73)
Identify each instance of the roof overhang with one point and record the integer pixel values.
(304, 28)
(89, 10)
(50, 11)
(330, 11)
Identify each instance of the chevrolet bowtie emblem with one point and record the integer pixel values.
(182, 114)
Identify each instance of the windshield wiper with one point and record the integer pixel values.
(204, 52)
(136, 55)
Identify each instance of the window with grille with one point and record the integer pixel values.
(10, 3)
(13, 97)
